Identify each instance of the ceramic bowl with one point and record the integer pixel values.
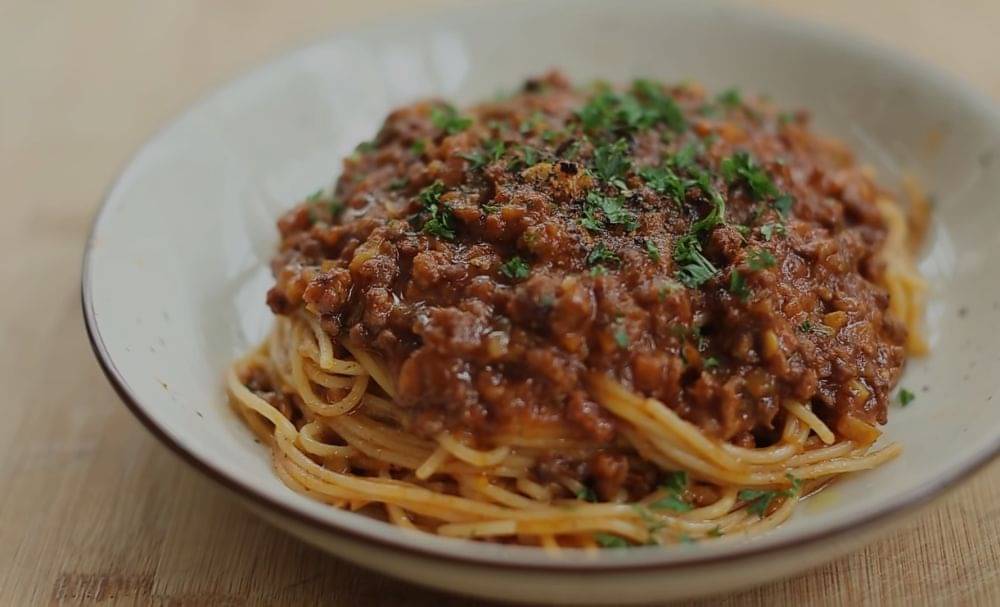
(176, 268)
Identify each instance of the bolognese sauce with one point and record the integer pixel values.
(709, 252)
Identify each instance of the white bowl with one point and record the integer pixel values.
(175, 271)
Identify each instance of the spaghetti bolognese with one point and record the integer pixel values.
(585, 317)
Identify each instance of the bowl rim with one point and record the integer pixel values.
(906, 503)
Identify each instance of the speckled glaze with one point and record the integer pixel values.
(176, 269)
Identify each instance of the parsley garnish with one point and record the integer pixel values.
(652, 250)
(738, 285)
(807, 326)
(398, 183)
(440, 220)
(695, 268)
(365, 147)
(742, 166)
(729, 98)
(600, 111)
(676, 481)
(906, 397)
(611, 161)
(769, 230)
(674, 484)
(665, 181)
(527, 126)
(613, 209)
(710, 362)
(658, 106)
(586, 494)
(491, 151)
(601, 254)
(447, 119)
(759, 500)
(671, 502)
(718, 213)
(515, 268)
(646, 105)
(715, 532)
(685, 157)
(761, 259)
(608, 540)
(418, 147)
(621, 337)
(783, 204)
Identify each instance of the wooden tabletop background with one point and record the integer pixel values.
(94, 511)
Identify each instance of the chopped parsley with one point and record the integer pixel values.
(611, 161)
(491, 151)
(418, 147)
(315, 196)
(761, 259)
(710, 362)
(613, 210)
(621, 337)
(715, 532)
(586, 494)
(694, 268)
(685, 157)
(529, 125)
(601, 254)
(398, 183)
(759, 500)
(447, 119)
(608, 540)
(644, 106)
(439, 219)
(729, 98)
(738, 285)
(515, 268)
(807, 326)
(664, 180)
(676, 481)
(364, 147)
(783, 204)
(652, 250)
(717, 215)
(674, 485)
(770, 230)
(600, 112)
(659, 107)
(906, 397)
(741, 166)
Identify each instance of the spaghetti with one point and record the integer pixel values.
(344, 427)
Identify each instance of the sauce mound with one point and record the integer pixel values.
(709, 252)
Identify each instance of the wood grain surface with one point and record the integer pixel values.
(93, 511)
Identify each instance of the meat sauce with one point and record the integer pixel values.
(709, 252)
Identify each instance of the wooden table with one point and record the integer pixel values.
(94, 511)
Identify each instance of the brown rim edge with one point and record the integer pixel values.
(911, 503)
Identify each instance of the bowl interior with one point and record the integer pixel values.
(177, 267)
